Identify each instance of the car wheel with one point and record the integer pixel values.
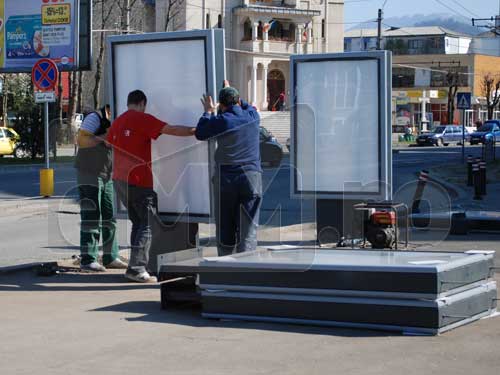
(19, 153)
(446, 144)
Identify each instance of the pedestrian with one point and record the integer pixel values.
(131, 135)
(238, 175)
(95, 186)
(281, 102)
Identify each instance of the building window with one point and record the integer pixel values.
(397, 46)
(323, 28)
(260, 31)
(247, 30)
(416, 44)
(439, 76)
(437, 43)
(403, 77)
(289, 34)
(208, 25)
(219, 21)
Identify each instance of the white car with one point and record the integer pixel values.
(77, 121)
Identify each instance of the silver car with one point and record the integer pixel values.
(443, 135)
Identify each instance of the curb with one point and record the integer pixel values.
(33, 206)
(474, 221)
(21, 267)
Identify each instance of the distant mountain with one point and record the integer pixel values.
(454, 23)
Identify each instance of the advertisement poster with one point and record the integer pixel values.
(35, 29)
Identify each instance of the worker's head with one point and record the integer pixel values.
(137, 101)
(106, 111)
(228, 97)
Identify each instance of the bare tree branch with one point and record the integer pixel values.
(491, 90)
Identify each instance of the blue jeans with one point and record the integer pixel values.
(140, 203)
(238, 198)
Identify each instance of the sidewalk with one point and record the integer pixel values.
(82, 323)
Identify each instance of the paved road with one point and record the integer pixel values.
(23, 182)
(44, 236)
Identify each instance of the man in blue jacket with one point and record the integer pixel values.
(238, 177)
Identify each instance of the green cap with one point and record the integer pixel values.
(229, 96)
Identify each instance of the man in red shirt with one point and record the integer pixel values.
(131, 135)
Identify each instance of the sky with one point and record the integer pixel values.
(361, 10)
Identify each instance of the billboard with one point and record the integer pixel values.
(341, 126)
(35, 29)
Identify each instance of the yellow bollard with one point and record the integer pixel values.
(46, 182)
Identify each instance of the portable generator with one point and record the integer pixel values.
(380, 229)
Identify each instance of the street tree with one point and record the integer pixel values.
(29, 115)
(172, 9)
(105, 9)
(490, 86)
(452, 81)
(125, 7)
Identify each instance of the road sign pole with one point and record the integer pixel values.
(47, 141)
(463, 136)
(44, 76)
(47, 174)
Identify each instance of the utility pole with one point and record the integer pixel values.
(495, 29)
(379, 33)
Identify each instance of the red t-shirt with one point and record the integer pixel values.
(131, 135)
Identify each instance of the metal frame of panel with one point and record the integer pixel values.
(215, 69)
(410, 316)
(384, 61)
(462, 272)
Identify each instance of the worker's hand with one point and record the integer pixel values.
(208, 104)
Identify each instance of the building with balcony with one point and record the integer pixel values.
(426, 40)
(261, 36)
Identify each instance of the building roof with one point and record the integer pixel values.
(404, 32)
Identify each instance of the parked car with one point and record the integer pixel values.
(489, 131)
(443, 135)
(271, 151)
(9, 142)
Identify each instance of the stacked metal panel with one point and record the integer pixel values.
(414, 292)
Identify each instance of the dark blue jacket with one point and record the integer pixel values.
(237, 134)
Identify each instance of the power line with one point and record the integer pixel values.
(464, 8)
(450, 8)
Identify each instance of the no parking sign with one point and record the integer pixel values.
(44, 75)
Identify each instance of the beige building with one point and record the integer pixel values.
(412, 75)
(260, 37)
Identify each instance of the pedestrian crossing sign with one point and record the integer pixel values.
(463, 100)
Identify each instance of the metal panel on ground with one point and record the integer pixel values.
(411, 316)
(348, 272)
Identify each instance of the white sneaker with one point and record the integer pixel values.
(143, 277)
(117, 264)
(93, 267)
